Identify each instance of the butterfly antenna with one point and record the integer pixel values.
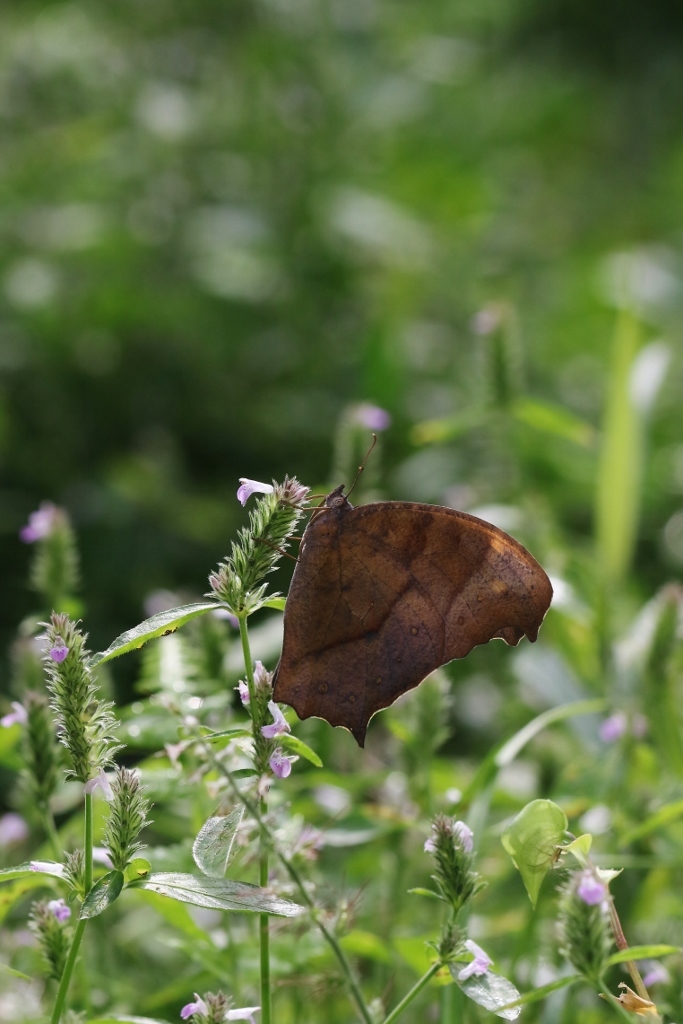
(363, 464)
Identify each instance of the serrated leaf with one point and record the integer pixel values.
(213, 846)
(218, 894)
(489, 990)
(158, 625)
(33, 867)
(297, 746)
(532, 838)
(104, 892)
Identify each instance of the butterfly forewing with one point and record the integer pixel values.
(383, 594)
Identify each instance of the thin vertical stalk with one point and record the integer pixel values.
(65, 981)
(264, 924)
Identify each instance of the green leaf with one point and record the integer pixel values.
(580, 848)
(14, 973)
(489, 990)
(213, 846)
(536, 994)
(298, 746)
(620, 468)
(33, 867)
(554, 420)
(218, 894)
(642, 953)
(664, 816)
(425, 892)
(532, 838)
(506, 753)
(104, 892)
(157, 625)
(275, 602)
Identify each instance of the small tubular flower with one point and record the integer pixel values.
(479, 965)
(280, 763)
(590, 889)
(18, 716)
(40, 523)
(279, 727)
(198, 1006)
(59, 651)
(248, 487)
(59, 910)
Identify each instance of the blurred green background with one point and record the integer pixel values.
(224, 223)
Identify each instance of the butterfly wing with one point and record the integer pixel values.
(385, 593)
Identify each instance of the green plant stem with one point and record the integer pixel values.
(51, 831)
(65, 981)
(329, 936)
(621, 943)
(409, 996)
(264, 844)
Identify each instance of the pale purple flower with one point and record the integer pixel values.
(590, 889)
(430, 845)
(262, 677)
(13, 829)
(59, 652)
(280, 764)
(59, 910)
(40, 523)
(465, 836)
(480, 965)
(279, 726)
(199, 1006)
(243, 689)
(655, 974)
(372, 417)
(18, 716)
(249, 487)
(102, 781)
(614, 727)
(243, 1013)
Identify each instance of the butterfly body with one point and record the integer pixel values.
(385, 593)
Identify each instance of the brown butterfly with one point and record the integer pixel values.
(383, 594)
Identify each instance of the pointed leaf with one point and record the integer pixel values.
(218, 894)
(532, 838)
(33, 867)
(489, 990)
(652, 952)
(275, 602)
(536, 994)
(157, 625)
(213, 846)
(580, 848)
(104, 892)
(297, 746)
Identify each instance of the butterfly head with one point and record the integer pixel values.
(335, 499)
